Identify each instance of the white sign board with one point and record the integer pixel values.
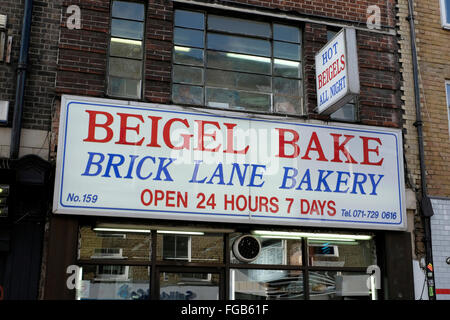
(337, 74)
(156, 161)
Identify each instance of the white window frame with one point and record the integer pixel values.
(112, 277)
(444, 18)
(447, 100)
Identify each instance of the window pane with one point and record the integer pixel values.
(128, 10)
(126, 48)
(286, 33)
(235, 25)
(187, 55)
(113, 245)
(447, 11)
(332, 285)
(187, 94)
(223, 98)
(189, 19)
(207, 248)
(127, 29)
(252, 284)
(189, 286)
(277, 251)
(124, 87)
(288, 105)
(106, 282)
(287, 87)
(125, 68)
(236, 80)
(238, 44)
(187, 37)
(287, 68)
(333, 253)
(239, 62)
(187, 75)
(347, 113)
(286, 50)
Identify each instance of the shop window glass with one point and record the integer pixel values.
(189, 286)
(205, 248)
(125, 62)
(113, 245)
(335, 253)
(114, 282)
(240, 63)
(275, 251)
(254, 284)
(336, 285)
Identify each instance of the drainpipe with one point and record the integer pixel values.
(21, 79)
(425, 203)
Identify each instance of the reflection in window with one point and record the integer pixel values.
(275, 251)
(114, 282)
(201, 248)
(240, 59)
(333, 253)
(126, 49)
(189, 286)
(253, 284)
(113, 245)
(331, 285)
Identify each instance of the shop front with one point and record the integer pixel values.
(171, 203)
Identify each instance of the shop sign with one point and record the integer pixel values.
(130, 159)
(337, 74)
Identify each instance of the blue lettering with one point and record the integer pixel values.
(360, 183)
(375, 184)
(195, 173)
(162, 168)
(340, 180)
(241, 176)
(287, 177)
(139, 168)
(91, 162)
(305, 179)
(256, 175)
(323, 181)
(217, 173)
(113, 165)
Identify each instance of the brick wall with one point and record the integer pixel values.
(434, 67)
(82, 57)
(39, 93)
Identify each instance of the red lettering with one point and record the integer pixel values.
(317, 147)
(274, 204)
(230, 140)
(202, 135)
(282, 141)
(154, 137)
(341, 148)
(366, 151)
(93, 124)
(302, 209)
(124, 128)
(166, 134)
(331, 208)
(342, 62)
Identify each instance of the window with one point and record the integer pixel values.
(125, 61)
(349, 111)
(447, 90)
(234, 63)
(445, 14)
(177, 248)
